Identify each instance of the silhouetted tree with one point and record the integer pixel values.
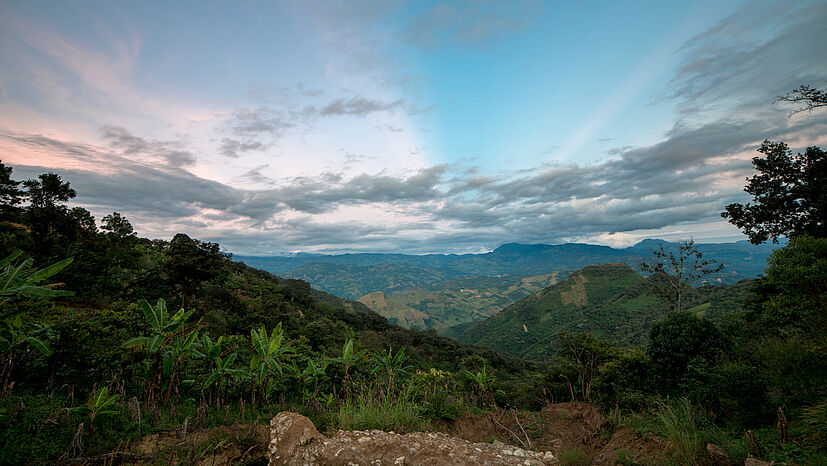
(190, 262)
(47, 214)
(789, 195)
(809, 96)
(10, 194)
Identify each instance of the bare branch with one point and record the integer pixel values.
(810, 97)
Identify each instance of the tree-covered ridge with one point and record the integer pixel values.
(452, 302)
(355, 275)
(610, 301)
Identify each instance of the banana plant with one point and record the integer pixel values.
(25, 282)
(483, 382)
(168, 341)
(99, 404)
(391, 365)
(180, 348)
(221, 375)
(268, 352)
(314, 373)
(347, 360)
(13, 335)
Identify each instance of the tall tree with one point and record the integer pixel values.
(10, 194)
(789, 195)
(190, 262)
(681, 267)
(47, 214)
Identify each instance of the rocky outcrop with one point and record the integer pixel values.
(294, 440)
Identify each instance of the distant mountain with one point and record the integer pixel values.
(456, 301)
(611, 301)
(354, 281)
(355, 275)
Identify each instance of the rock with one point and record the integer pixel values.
(757, 462)
(717, 453)
(294, 440)
(289, 432)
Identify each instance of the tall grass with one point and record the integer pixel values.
(369, 412)
(676, 423)
(688, 431)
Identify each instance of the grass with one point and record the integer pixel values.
(688, 431)
(366, 413)
(625, 458)
(574, 457)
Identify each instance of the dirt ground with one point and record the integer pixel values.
(565, 429)
(571, 431)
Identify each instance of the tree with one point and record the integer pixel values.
(47, 214)
(789, 195)
(10, 194)
(809, 96)
(190, 262)
(587, 353)
(677, 341)
(680, 269)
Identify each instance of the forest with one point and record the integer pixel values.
(108, 337)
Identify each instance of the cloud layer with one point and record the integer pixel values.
(299, 167)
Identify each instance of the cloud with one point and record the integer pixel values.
(471, 21)
(232, 147)
(736, 66)
(260, 120)
(169, 151)
(358, 106)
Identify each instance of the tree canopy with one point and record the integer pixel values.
(789, 195)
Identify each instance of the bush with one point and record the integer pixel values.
(675, 342)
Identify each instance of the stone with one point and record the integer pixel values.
(717, 453)
(756, 462)
(294, 440)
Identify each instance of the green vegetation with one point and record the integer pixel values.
(610, 301)
(160, 334)
(89, 365)
(456, 301)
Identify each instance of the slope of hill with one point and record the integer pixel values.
(457, 301)
(610, 301)
(355, 281)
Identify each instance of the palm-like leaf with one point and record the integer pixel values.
(23, 281)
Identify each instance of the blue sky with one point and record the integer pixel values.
(407, 126)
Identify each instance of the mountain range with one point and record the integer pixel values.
(352, 276)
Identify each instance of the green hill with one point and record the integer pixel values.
(457, 301)
(355, 281)
(610, 301)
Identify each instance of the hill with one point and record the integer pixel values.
(355, 275)
(456, 301)
(610, 301)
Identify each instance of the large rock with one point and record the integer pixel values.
(295, 441)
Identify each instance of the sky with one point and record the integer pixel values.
(276, 127)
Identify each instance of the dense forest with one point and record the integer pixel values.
(108, 337)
